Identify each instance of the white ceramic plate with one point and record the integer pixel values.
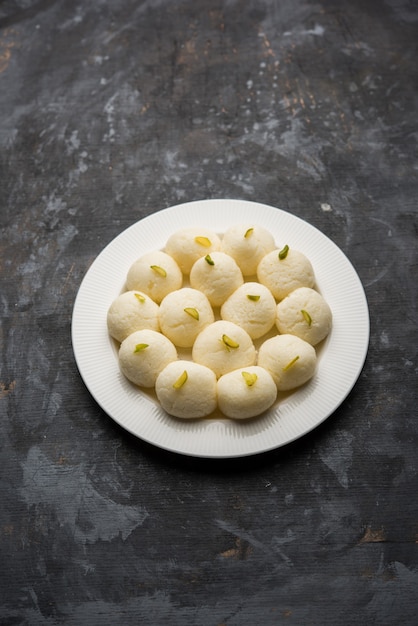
(340, 360)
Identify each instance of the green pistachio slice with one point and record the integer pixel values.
(203, 241)
(307, 317)
(140, 346)
(192, 312)
(290, 364)
(180, 380)
(140, 297)
(159, 270)
(209, 260)
(249, 378)
(230, 343)
(283, 252)
(248, 233)
(253, 298)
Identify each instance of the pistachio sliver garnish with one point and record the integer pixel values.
(229, 343)
(248, 233)
(159, 270)
(307, 317)
(252, 297)
(290, 364)
(249, 378)
(203, 241)
(209, 260)
(139, 297)
(283, 252)
(180, 380)
(192, 312)
(140, 347)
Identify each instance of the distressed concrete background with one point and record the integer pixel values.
(111, 111)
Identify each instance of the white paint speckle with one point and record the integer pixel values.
(109, 109)
(54, 204)
(370, 82)
(82, 167)
(73, 143)
(338, 456)
(384, 339)
(318, 30)
(326, 207)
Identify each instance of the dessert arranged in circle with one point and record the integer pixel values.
(219, 321)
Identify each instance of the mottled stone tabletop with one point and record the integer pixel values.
(109, 112)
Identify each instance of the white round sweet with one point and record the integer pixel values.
(156, 274)
(131, 311)
(247, 244)
(143, 355)
(283, 271)
(290, 360)
(217, 275)
(186, 389)
(189, 244)
(306, 314)
(246, 392)
(223, 346)
(252, 307)
(183, 314)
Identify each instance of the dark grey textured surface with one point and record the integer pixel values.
(110, 111)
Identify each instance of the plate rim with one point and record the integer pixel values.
(80, 327)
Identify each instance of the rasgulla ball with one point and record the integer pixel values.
(290, 360)
(186, 389)
(247, 244)
(131, 311)
(189, 244)
(143, 355)
(183, 314)
(252, 307)
(306, 314)
(156, 274)
(284, 270)
(246, 392)
(223, 346)
(217, 275)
